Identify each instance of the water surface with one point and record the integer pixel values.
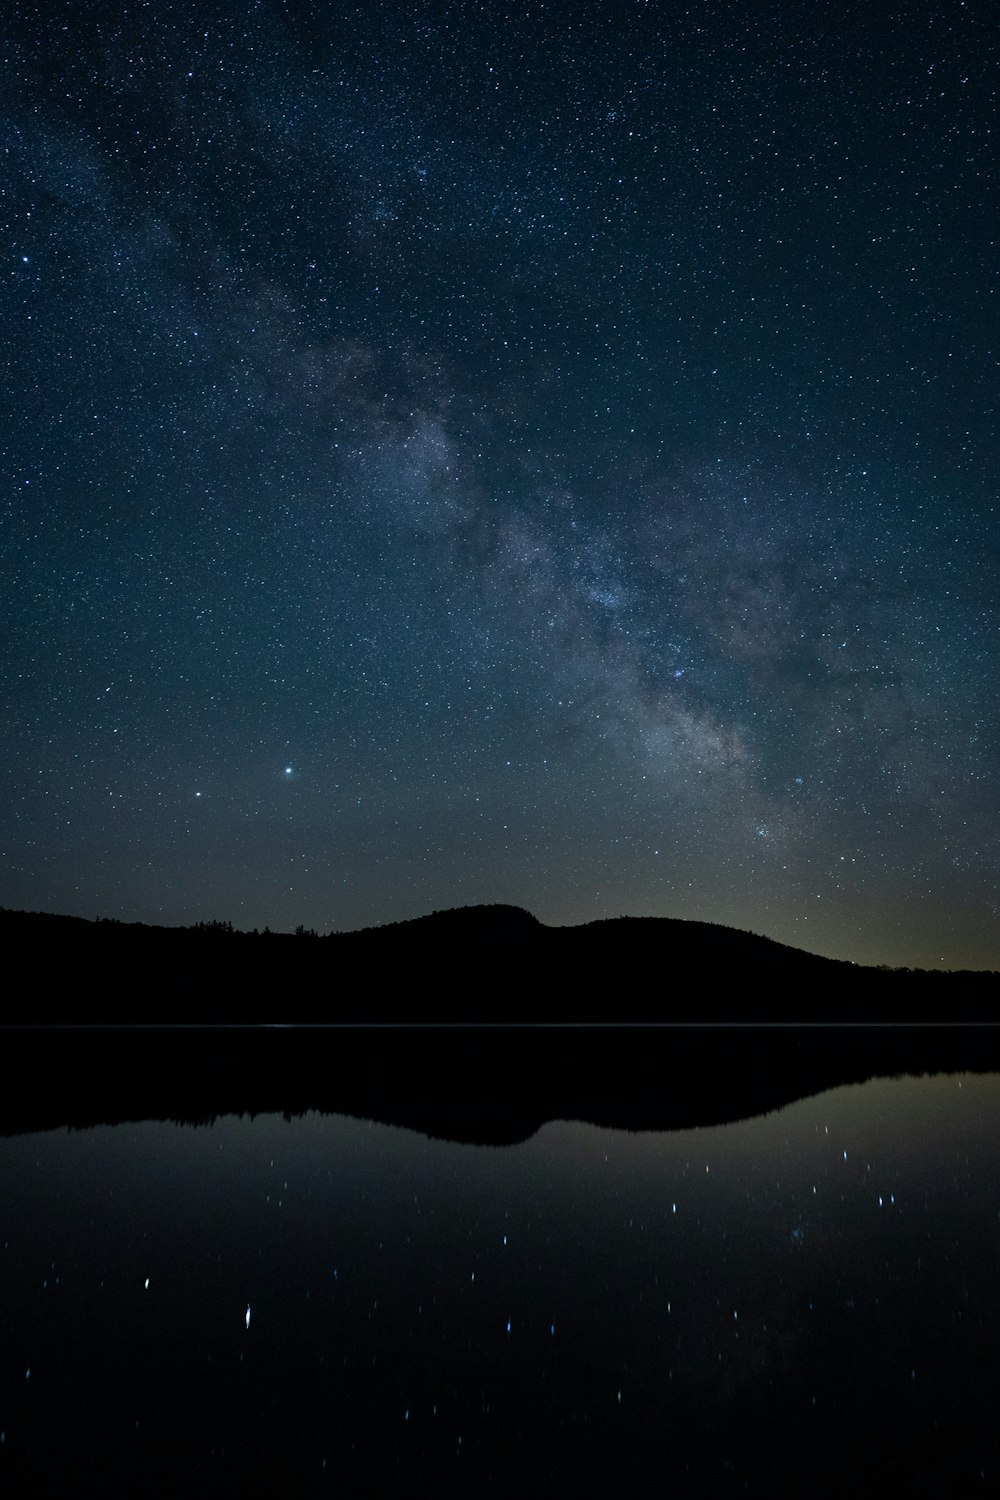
(790, 1304)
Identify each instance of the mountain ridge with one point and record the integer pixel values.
(481, 915)
(459, 964)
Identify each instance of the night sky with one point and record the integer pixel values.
(462, 453)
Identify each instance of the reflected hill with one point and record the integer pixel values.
(484, 1085)
(470, 964)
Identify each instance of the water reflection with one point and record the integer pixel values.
(800, 1300)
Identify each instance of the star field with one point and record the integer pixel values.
(463, 453)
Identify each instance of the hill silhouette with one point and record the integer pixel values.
(476, 1024)
(494, 964)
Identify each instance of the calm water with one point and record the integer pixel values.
(787, 1305)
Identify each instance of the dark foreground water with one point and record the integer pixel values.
(798, 1304)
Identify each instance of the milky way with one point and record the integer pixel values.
(460, 454)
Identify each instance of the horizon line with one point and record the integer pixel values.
(227, 1026)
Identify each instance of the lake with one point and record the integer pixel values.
(792, 1303)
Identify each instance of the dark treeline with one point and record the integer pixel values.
(471, 964)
